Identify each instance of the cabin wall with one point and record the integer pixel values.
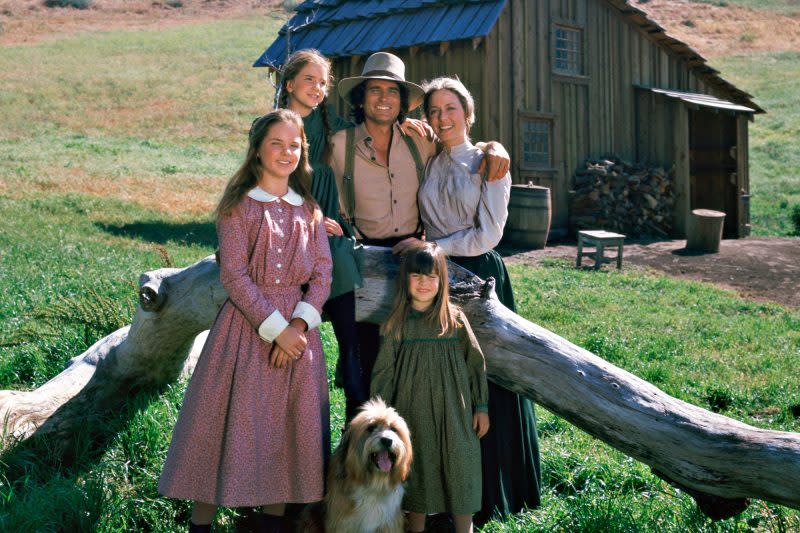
(594, 114)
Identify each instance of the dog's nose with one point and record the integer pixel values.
(386, 442)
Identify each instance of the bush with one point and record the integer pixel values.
(796, 218)
(77, 4)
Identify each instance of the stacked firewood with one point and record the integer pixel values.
(615, 195)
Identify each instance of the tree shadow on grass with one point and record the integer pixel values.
(162, 232)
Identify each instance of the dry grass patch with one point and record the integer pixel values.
(29, 22)
(172, 195)
(717, 30)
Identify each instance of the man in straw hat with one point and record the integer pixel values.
(378, 170)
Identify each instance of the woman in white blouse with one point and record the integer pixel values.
(465, 214)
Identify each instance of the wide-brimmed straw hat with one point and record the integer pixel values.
(384, 66)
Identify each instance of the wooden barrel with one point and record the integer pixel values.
(704, 230)
(529, 212)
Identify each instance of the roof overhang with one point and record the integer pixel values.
(699, 99)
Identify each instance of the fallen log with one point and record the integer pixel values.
(720, 461)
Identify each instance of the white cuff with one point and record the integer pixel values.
(307, 312)
(272, 326)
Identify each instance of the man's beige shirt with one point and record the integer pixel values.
(386, 196)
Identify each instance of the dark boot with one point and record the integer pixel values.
(202, 528)
(269, 523)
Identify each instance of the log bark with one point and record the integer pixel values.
(718, 460)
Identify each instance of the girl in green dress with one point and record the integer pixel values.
(306, 78)
(431, 369)
(304, 90)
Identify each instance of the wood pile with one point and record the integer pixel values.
(615, 195)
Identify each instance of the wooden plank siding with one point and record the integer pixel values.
(596, 114)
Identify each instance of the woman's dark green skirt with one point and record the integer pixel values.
(510, 451)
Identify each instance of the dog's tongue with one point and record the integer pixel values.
(384, 463)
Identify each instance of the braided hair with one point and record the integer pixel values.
(294, 64)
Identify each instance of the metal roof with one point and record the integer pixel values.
(700, 99)
(360, 27)
(341, 28)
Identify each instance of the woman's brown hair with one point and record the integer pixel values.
(248, 174)
(294, 64)
(455, 86)
(425, 258)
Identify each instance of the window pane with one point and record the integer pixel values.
(536, 142)
(568, 50)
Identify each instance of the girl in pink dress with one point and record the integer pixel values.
(254, 429)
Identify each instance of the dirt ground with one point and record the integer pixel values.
(763, 269)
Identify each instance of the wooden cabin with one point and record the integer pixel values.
(558, 82)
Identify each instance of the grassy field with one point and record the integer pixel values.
(107, 165)
(774, 153)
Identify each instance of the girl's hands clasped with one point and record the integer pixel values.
(480, 423)
(289, 345)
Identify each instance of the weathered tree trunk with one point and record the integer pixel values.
(718, 460)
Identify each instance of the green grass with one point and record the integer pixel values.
(788, 7)
(774, 152)
(107, 165)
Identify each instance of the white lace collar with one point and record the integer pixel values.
(291, 197)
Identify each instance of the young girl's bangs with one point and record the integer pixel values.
(422, 262)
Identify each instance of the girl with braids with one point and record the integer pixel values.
(304, 89)
(306, 78)
(254, 429)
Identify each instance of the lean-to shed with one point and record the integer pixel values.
(558, 82)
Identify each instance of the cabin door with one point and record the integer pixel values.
(712, 165)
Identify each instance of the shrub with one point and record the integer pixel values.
(77, 4)
(796, 218)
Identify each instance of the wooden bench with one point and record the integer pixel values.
(599, 239)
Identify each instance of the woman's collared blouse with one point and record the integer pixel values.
(460, 210)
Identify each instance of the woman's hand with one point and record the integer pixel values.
(405, 244)
(421, 128)
(497, 160)
(480, 423)
(332, 228)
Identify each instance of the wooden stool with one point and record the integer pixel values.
(599, 239)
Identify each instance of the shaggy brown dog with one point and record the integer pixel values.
(366, 474)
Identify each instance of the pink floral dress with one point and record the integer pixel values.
(249, 434)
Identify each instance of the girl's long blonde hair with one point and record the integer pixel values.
(426, 258)
(248, 174)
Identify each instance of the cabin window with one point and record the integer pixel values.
(568, 50)
(536, 135)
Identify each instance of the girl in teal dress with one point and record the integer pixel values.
(306, 78)
(304, 89)
(431, 369)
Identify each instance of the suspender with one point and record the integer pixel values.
(349, 195)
